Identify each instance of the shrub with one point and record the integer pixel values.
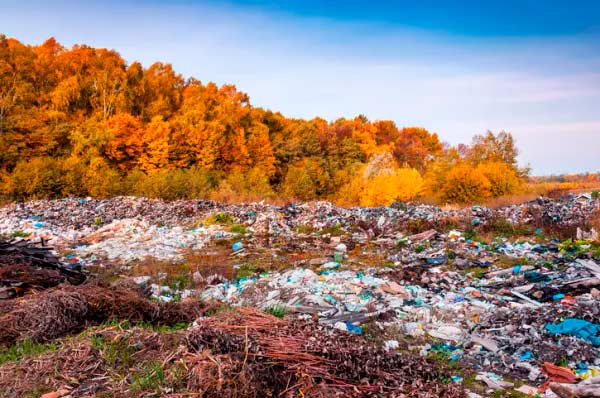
(503, 179)
(465, 184)
(382, 190)
(36, 178)
(239, 186)
(170, 184)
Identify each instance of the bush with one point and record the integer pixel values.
(465, 184)
(383, 189)
(250, 186)
(170, 184)
(35, 179)
(503, 179)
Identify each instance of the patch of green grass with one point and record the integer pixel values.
(117, 351)
(20, 234)
(238, 229)
(125, 325)
(25, 348)
(595, 194)
(115, 323)
(443, 358)
(277, 310)
(420, 248)
(151, 378)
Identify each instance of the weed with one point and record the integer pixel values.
(177, 375)
(572, 248)
(595, 194)
(97, 221)
(246, 270)
(180, 282)
(125, 325)
(24, 348)
(20, 234)
(238, 229)
(221, 218)
(562, 361)
(117, 352)
(151, 378)
(420, 248)
(448, 224)
(162, 328)
(277, 310)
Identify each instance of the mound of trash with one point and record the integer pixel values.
(399, 301)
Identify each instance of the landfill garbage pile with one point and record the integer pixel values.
(241, 354)
(154, 226)
(492, 292)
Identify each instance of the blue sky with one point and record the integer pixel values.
(457, 68)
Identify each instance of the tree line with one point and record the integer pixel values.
(82, 121)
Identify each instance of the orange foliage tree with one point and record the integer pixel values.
(89, 123)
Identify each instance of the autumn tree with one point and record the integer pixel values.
(465, 184)
(83, 121)
(503, 179)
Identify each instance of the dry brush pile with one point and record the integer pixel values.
(242, 353)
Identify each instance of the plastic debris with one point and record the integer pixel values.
(577, 327)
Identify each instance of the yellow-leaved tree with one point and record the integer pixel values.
(381, 190)
(381, 182)
(465, 184)
(503, 178)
